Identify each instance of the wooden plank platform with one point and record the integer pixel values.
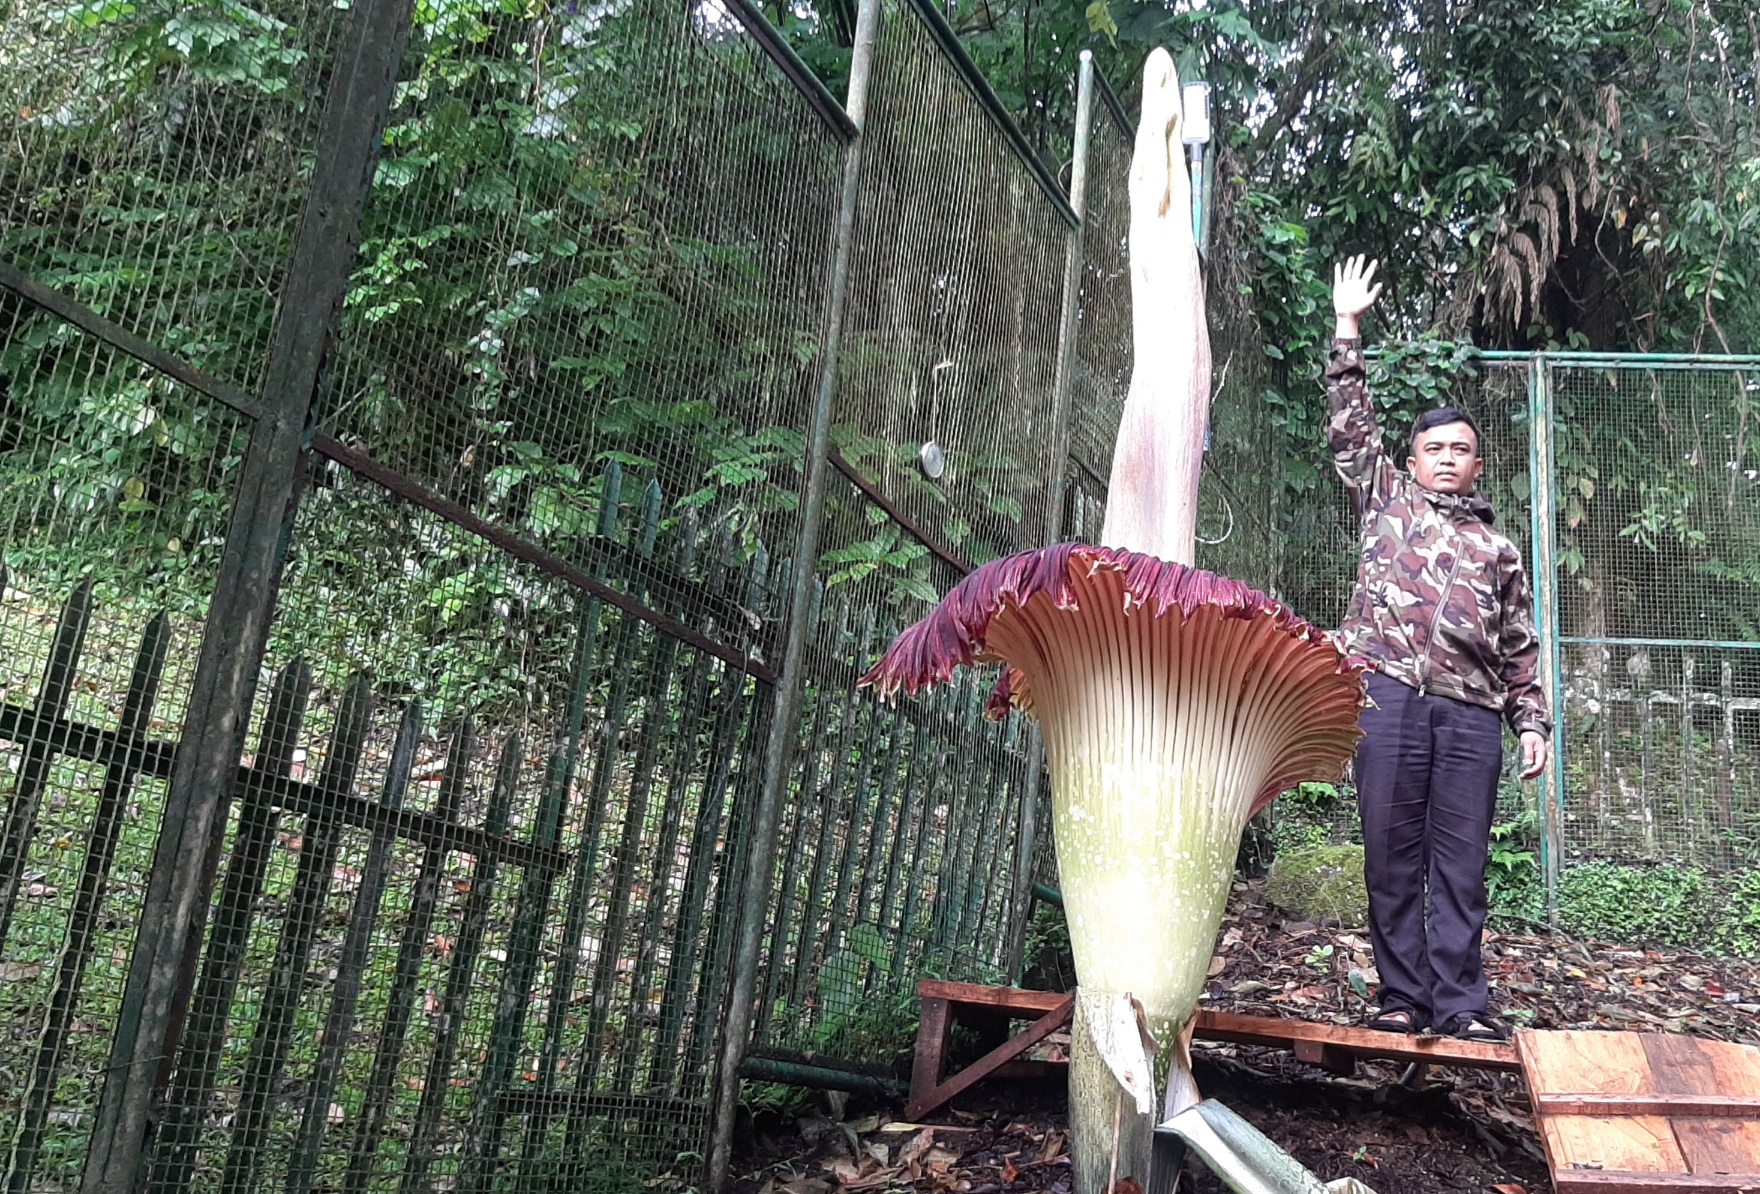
(1333, 1046)
(1319, 1043)
(1618, 1112)
(1646, 1112)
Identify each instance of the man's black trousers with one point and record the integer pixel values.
(1426, 787)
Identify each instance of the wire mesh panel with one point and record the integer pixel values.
(897, 847)
(115, 486)
(156, 158)
(950, 335)
(471, 920)
(518, 674)
(896, 853)
(1658, 530)
(595, 235)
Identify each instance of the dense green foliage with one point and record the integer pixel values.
(1668, 905)
(1582, 175)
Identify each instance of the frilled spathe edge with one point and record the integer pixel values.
(953, 635)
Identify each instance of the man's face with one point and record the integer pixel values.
(1445, 459)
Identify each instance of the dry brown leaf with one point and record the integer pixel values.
(1051, 1148)
(843, 1169)
(940, 1157)
(916, 1146)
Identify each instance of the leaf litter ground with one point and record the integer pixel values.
(1456, 1130)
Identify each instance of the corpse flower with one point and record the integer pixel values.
(1173, 702)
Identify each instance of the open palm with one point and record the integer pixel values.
(1352, 292)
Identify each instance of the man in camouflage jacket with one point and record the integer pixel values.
(1441, 610)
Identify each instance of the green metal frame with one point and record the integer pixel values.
(1540, 468)
(1627, 360)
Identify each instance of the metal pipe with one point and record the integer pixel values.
(1047, 895)
(1199, 194)
(1072, 294)
(819, 1077)
(1709, 644)
(760, 859)
(1657, 360)
(1540, 466)
(1027, 827)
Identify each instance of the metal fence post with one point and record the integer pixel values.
(779, 743)
(1027, 832)
(1541, 466)
(181, 881)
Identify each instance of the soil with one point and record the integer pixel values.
(1454, 1130)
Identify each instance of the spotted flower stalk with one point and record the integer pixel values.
(1174, 703)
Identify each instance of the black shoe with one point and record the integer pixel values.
(1396, 1019)
(1478, 1026)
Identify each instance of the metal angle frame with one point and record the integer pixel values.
(520, 549)
(180, 370)
(116, 336)
(158, 759)
(817, 95)
(948, 42)
(908, 524)
(754, 870)
(1114, 105)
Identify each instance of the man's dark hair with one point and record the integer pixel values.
(1442, 416)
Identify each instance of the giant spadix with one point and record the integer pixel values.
(1173, 702)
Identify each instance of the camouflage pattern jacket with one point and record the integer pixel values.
(1441, 602)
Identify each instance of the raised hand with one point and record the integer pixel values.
(1354, 291)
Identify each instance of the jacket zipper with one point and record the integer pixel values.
(1436, 615)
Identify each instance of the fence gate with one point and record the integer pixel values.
(1647, 469)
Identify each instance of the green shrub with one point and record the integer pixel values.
(1665, 905)
(1050, 962)
(1512, 870)
(1735, 927)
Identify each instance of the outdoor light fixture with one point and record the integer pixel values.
(1195, 100)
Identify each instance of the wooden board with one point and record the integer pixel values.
(1644, 1112)
(942, 1002)
(1310, 1040)
(1333, 1046)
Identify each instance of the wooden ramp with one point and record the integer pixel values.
(1618, 1112)
(1645, 1113)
